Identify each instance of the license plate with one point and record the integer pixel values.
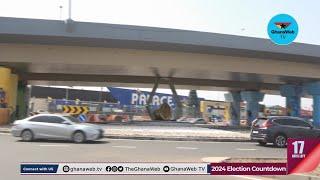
(255, 132)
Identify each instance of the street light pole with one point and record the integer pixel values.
(67, 93)
(60, 12)
(69, 22)
(69, 13)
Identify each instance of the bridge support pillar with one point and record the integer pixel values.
(252, 98)
(8, 85)
(234, 98)
(314, 90)
(293, 95)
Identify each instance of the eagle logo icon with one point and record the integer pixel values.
(282, 25)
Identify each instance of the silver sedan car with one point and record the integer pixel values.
(52, 126)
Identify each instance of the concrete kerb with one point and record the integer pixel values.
(5, 130)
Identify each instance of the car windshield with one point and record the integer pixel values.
(73, 119)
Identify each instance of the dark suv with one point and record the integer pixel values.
(276, 130)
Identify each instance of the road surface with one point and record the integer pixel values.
(13, 152)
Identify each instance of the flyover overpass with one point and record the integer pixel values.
(81, 53)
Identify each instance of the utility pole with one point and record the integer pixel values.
(69, 22)
(60, 12)
(69, 13)
(67, 94)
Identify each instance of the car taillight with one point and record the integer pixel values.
(266, 124)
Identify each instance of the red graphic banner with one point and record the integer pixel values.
(248, 168)
(303, 155)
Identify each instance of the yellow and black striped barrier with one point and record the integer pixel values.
(75, 109)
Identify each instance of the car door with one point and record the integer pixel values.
(57, 129)
(309, 130)
(39, 126)
(302, 128)
(285, 126)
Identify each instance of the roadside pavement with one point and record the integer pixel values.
(168, 131)
(183, 133)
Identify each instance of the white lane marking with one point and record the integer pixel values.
(187, 148)
(243, 149)
(54, 145)
(126, 147)
(246, 177)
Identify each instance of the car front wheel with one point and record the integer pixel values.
(27, 135)
(280, 141)
(79, 137)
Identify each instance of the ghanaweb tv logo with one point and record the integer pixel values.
(282, 29)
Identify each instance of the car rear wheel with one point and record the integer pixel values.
(79, 137)
(27, 135)
(280, 140)
(261, 143)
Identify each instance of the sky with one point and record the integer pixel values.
(237, 17)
